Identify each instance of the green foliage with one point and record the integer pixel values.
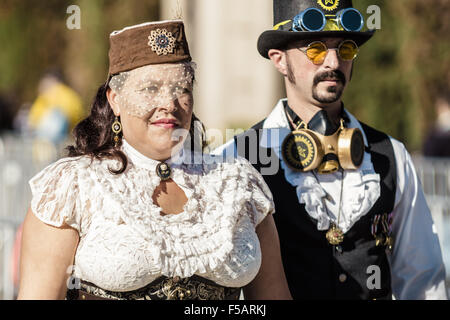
(29, 41)
(398, 71)
(395, 78)
(35, 38)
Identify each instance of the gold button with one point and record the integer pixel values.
(83, 297)
(342, 277)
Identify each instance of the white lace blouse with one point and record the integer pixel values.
(125, 242)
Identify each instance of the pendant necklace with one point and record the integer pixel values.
(163, 171)
(335, 235)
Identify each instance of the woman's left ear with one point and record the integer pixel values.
(113, 98)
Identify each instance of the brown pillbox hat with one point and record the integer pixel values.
(147, 43)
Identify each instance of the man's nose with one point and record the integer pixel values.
(332, 60)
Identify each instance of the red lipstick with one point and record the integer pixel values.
(165, 123)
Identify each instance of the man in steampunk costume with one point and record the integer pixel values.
(350, 211)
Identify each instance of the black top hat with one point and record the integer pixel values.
(284, 12)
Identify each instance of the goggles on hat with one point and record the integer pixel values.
(317, 51)
(314, 20)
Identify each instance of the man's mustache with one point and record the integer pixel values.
(330, 75)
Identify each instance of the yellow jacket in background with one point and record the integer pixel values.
(61, 97)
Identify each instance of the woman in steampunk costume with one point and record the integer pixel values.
(135, 212)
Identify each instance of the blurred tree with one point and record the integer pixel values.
(393, 87)
(86, 56)
(35, 37)
(397, 72)
(30, 42)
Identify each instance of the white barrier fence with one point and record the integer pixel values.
(20, 159)
(434, 174)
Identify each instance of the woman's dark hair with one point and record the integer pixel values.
(94, 136)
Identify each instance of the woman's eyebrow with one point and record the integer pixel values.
(146, 82)
(184, 80)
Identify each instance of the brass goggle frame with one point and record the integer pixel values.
(304, 149)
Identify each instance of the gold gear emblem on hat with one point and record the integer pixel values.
(161, 41)
(328, 5)
(298, 151)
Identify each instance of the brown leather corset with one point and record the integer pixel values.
(163, 288)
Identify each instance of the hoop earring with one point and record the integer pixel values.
(116, 128)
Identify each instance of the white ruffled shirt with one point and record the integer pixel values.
(125, 243)
(417, 267)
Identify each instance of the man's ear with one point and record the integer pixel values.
(278, 58)
(113, 99)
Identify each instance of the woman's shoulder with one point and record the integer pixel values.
(77, 163)
(68, 163)
(55, 192)
(65, 165)
(67, 168)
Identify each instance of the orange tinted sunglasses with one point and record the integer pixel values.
(317, 51)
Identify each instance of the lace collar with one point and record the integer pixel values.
(141, 160)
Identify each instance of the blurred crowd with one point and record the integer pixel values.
(437, 143)
(50, 117)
